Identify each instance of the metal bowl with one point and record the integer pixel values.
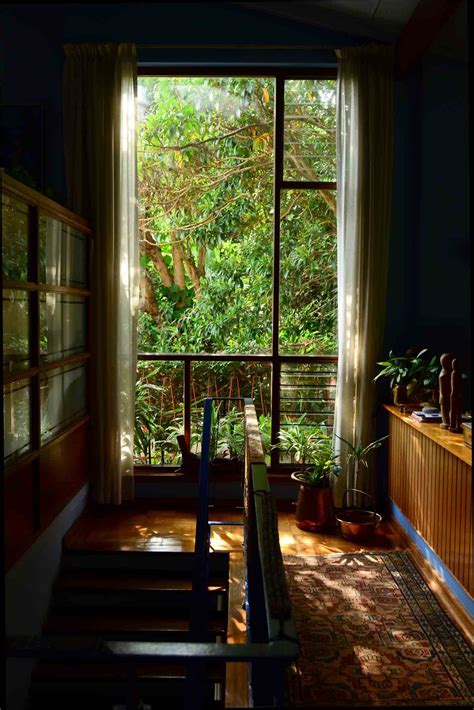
(357, 524)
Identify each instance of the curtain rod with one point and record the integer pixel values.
(234, 46)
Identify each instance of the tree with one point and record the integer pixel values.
(205, 189)
(205, 175)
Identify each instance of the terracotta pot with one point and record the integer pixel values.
(400, 394)
(314, 508)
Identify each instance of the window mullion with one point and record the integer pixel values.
(34, 348)
(277, 182)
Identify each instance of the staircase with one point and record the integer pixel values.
(129, 596)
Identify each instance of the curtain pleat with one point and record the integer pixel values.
(364, 179)
(99, 126)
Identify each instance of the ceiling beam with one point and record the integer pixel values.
(421, 30)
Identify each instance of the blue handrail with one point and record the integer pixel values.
(199, 613)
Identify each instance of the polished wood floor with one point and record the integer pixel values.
(142, 527)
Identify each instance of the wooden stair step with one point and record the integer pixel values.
(125, 625)
(168, 562)
(110, 600)
(74, 670)
(104, 695)
(96, 696)
(128, 581)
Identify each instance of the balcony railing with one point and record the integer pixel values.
(171, 388)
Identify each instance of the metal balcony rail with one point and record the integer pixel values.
(296, 387)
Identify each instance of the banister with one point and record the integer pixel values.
(96, 649)
(272, 637)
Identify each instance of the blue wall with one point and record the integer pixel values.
(33, 35)
(429, 280)
(443, 297)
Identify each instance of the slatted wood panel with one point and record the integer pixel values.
(432, 488)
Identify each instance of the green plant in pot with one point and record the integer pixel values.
(317, 465)
(357, 523)
(412, 377)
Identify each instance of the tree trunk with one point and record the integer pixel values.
(178, 267)
(193, 273)
(154, 251)
(147, 296)
(329, 199)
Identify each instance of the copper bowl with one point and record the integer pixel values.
(357, 524)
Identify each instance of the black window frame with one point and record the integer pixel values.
(275, 358)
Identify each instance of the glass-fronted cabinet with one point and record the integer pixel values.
(46, 253)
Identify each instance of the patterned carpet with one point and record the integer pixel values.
(373, 634)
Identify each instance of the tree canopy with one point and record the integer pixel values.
(205, 181)
(206, 216)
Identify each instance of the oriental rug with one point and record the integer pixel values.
(373, 634)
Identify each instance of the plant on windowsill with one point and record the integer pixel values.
(317, 462)
(413, 379)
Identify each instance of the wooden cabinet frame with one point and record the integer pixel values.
(31, 465)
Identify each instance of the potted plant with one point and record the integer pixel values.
(358, 454)
(410, 376)
(357, 523)
(318, 463)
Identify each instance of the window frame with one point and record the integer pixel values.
(275, 358)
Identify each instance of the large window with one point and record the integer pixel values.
(237, 201)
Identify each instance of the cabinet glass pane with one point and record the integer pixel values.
(62, 326)
(310, 130)
(63, 398)
(16, 420)
(63, 253)
(15, 239)
(16, 315)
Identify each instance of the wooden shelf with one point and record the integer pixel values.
(454, 443)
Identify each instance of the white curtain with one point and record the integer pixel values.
(99, 124)
(364, 177)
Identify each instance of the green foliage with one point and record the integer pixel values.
(205, 182)
(231, 433)
(359, 454)
(313, 451)
(265, 429)
(205, 162)
(403, 370)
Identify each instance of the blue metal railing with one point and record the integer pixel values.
(272, 642)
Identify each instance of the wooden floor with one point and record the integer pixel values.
(143, 527)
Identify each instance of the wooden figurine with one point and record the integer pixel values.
(446, 361)
(455, 399)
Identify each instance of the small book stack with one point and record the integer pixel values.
(432, 417)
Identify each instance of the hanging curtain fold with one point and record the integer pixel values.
(364, 177)
(99, 126)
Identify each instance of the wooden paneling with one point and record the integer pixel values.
(432, 487)
(64, 467)
(19, 512)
